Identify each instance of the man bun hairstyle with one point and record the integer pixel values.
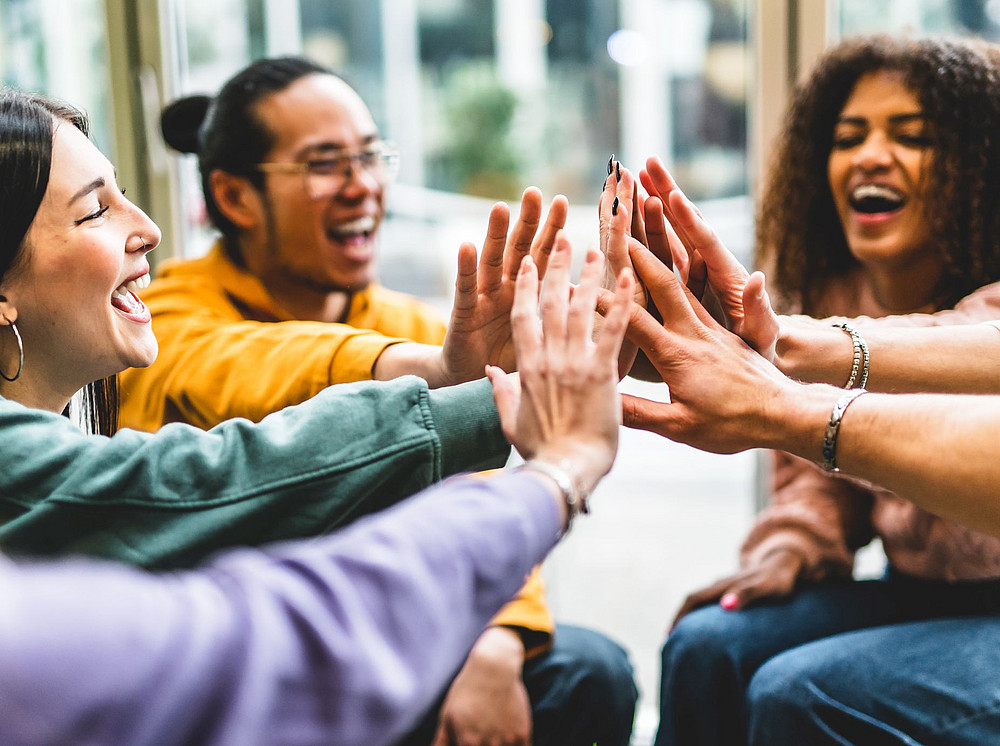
(181, 121)
(226, 133)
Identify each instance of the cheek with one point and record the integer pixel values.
(837, 172)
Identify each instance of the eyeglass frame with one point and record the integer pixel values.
(386, 152)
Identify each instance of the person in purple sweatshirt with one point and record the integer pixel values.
(340, 640)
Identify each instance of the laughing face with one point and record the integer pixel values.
(74, 293)
(877, 170)
(322, 238)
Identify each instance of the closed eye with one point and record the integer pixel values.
(94, 215)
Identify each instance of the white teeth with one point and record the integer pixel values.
(132, 286)
(876, 191)
(361, 225)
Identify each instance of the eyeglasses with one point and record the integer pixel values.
(325, 175)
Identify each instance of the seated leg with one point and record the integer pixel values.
(927, 682)
(582, 691)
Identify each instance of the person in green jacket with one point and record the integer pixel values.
(72, 254)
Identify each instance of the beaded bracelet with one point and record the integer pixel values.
(861, 357)
(833, 428)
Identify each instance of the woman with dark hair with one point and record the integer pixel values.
(73, 257)
(880, 205)
(347, 640)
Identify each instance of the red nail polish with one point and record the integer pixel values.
(729, 601)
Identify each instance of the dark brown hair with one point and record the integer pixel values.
(799, 236)
(226, 133)
(27, 125)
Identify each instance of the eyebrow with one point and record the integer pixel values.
(95, 184)
(895, 119)
(333, 146)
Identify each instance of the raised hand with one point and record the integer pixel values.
(719, 387)
(567, 410)
(740, 295)
(479, 329)
(625, 218)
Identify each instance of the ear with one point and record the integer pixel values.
(237, 199)
(7, 309)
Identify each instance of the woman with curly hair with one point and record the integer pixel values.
(880, 205)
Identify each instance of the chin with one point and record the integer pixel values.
(141, 358)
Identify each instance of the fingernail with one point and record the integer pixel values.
(729, 601)
(614, 207)
(525, 264)
(611, 162)
(618, 170)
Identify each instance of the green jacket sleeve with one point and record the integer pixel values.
(168, 499)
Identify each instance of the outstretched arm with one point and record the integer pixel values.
(479, 330)
(936, 450)
(342, 640)
(954, 359)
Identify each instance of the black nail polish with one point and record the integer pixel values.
(618, 170)
(611, 162)
(614, 207)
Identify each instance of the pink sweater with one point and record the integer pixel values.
(828, 517)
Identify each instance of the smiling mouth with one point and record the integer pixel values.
(872, 199)
(354, 231)
(124, 297)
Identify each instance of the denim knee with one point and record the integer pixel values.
(783, 701)
(703, 679)
(705, 647)
(583, 690)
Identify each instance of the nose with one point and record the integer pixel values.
(146, 234)
(874, 153)
(359, 182)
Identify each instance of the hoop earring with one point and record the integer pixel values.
(20, 353)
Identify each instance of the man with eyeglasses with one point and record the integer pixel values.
(294, 173)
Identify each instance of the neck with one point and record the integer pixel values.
(305, 301)
(35, 393)
(299, 296)
(905, 289)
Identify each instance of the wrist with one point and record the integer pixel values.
(796, 418)
(584, 466)
(500, 647)
(562, 475)
(813, 352)
(411, 358)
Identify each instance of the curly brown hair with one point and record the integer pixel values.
(957, 82)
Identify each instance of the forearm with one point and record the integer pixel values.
(166, 500)
(938, 450)
(944, 359)
(343, 640)
(410, 358)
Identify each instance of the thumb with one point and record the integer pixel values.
(644, 414)
(761, 325)
(505, 398)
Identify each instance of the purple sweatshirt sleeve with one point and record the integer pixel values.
(345, 639)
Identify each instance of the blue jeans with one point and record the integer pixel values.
(893, 661)
(581, 691)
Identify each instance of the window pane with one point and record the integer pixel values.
(59, 47)
(976, 17)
